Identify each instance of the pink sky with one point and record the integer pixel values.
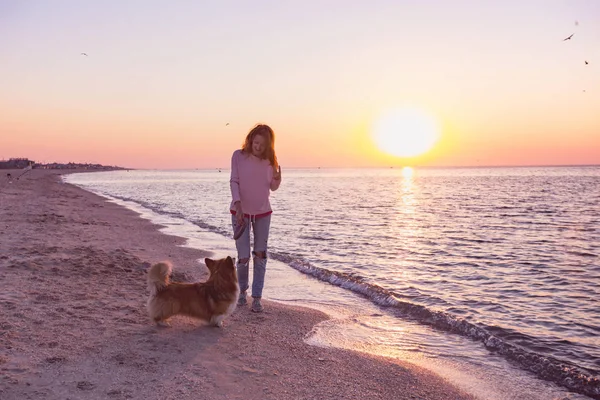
(161, 80)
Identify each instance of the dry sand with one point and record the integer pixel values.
(73, 323)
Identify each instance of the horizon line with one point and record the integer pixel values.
(322, 167)
(392, 167)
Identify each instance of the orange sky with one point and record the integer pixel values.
(160, 82)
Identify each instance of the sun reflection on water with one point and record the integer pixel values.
(404, 224)
(407, 195)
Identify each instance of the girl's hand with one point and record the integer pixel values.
(239, 214)
(277, 173)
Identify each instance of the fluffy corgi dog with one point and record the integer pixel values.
(210, 301)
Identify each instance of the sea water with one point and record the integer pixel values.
(489, 277)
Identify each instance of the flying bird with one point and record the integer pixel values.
(84, 54)
(227, 124)
(568, 38)
(586, 63)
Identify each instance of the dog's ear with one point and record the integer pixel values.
(209, 264)
(231, 260)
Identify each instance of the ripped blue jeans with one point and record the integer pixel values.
(260, 228)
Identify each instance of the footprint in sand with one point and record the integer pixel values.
(122, 393)
(45, 298)
(85, 385)
(55, 360)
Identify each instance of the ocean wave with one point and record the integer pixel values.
(570, 376)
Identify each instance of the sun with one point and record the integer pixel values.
(405, 132)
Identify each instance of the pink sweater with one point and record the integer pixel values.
(251, 180)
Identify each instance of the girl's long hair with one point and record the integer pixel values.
(266, 132)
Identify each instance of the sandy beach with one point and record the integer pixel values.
(73, 323)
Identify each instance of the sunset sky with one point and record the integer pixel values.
(161, 80)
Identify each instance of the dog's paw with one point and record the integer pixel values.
(163, 324)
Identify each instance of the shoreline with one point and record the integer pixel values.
(73, 320)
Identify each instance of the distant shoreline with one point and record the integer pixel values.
(25, 163)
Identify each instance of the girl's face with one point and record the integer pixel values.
(259, 145)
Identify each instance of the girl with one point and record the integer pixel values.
(254, 173)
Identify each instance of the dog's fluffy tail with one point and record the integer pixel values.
(158, 276)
